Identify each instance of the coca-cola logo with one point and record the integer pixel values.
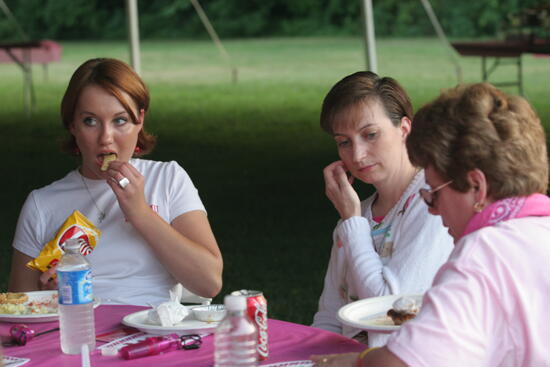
(260, 317)
(75, 231)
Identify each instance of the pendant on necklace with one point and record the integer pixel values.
(102, 214)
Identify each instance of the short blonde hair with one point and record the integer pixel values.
(479, 126)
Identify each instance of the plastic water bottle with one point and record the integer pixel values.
(76, 307)
(236, 336)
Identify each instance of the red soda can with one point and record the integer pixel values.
(257, 312)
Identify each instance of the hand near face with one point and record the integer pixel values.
(335, 360)
(131, 198)
(340, 192)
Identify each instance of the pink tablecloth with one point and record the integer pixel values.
(287, 342)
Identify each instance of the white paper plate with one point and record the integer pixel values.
(14, 361)
(305, 363)
(370, 313)
(32, 318)
(189, 325)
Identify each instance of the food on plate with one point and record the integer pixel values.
(42, 305)
(13, 298)
(403, 309)
(108, 159)
(75, 226)
(9, 308)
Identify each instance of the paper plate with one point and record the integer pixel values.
(189, 325)
(33, 318)
(305, 363)
(370, 313)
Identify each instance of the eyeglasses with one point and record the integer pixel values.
(430, 196)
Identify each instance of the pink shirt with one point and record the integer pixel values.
(489, 304)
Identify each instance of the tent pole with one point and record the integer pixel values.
(133, 34)
(12, 19)
(214, 36)
(439, 31)
(370, 46)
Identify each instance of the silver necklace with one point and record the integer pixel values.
(102, 214)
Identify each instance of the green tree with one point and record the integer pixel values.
(106, 19)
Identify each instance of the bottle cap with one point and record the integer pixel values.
(235, 303)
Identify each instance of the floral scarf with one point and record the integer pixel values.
(535, 205)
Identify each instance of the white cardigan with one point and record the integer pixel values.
(400, 255)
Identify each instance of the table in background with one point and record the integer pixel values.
(26, 53)
(501, 52)
(287, 342)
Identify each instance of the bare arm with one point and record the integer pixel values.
(187, 248)
(380, 357)
(24, 279)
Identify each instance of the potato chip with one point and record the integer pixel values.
(108, 159)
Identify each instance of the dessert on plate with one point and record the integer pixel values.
(403, 309)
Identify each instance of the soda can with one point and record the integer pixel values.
(257, 312)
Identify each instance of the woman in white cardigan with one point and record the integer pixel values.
(388, 243)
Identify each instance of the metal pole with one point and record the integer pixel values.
(133, 34)
(212, 32)
(520, 76)
(439, 31)
(10, 16)
(370, 45)
(28, 89)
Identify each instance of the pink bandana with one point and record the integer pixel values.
(536, 205)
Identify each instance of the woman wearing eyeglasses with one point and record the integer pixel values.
(388, 243)
(485, 154)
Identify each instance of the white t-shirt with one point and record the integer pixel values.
(489, 303)
(400, 255)
(125, 269)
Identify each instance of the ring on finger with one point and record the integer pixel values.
(123, 182)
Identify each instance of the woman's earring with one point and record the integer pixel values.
(137, 150)
(478, 206)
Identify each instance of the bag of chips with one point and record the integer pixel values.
(75, 226)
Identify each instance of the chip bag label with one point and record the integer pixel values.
(75, 226)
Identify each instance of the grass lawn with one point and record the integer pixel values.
(254, 149)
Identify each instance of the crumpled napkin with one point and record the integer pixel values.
(171, 312)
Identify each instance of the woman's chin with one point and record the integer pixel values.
(453, 235)
(367, 178)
